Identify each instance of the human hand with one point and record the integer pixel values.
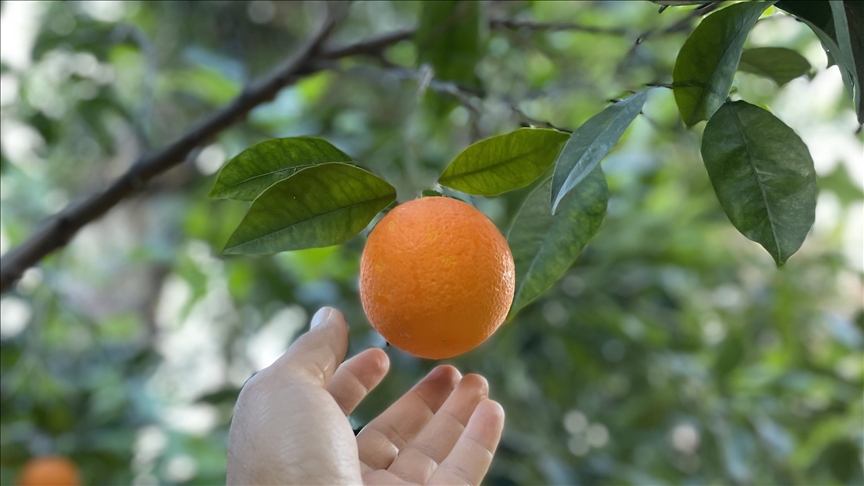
(290, 423)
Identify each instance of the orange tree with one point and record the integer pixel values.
(305, 193)
(649, 341)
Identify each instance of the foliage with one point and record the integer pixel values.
(670, 351)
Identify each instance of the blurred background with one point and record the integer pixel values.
(673, 352)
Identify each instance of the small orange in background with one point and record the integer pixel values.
(436, 277)
(49, 471)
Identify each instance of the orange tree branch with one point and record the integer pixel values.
(58, 230)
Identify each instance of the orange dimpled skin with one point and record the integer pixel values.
(49, 471)
(436, 277)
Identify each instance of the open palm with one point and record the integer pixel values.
(290, 424)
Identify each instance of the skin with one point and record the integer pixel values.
(290, 423)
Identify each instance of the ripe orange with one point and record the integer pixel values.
(436, 277)
(49, 471)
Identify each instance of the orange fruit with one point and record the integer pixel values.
(49, 471)
(436, 277)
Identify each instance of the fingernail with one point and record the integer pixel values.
(321, 316)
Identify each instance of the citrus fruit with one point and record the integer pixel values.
(49, 471)
(436, 277)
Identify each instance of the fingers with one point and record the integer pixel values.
(314, 356)
(380, 442)
(355, 378)
(469, 460)
(422, 456)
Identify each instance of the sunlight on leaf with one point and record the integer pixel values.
(318, 206)
(503, 163)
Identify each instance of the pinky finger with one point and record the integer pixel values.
(469, 460)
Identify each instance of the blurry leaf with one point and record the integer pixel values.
(544, 246)
(849, 30)
(840, 183)
(260, 166)
(448, 38)
(48, 128)
(208, 84)
(777, 63)
(763, 176)
(431, 193)
(223, 395)
(730, 355)
(737, 446)
(706, 64)
(590, 143)
(94, 114)
(319, 206)
(822, 17)
(503, 163)
(88, 36)
(778, 438)
(842, 458)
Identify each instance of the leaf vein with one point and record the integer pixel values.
(758, 183)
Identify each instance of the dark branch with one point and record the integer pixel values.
(553, 26)
(370, 47)
(60, 229)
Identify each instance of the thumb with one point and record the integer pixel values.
(314, 356)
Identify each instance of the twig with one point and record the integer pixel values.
(683, 24)
(370, 47)
(426, 79)
(533, 122)
(553, 26)
(60, 229)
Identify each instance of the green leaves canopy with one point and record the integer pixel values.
(763, 176)
(776, 63)
(319, 206)
(255, 169)
(590, 143)
(706, 64)
(544, 246)
(503, 163)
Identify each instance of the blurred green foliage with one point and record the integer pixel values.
(672, 352)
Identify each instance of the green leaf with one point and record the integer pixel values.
(260, 166)
(503, 163)
(589, 144)
(763, 176)
(821, 18)
(318, 206)
(841, 184)
(544, 246)
(448, 38)
(850, 37)
(707, 61)
(776, 63)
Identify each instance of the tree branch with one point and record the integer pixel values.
(310, 58)
(531, 25)
(60, 229)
